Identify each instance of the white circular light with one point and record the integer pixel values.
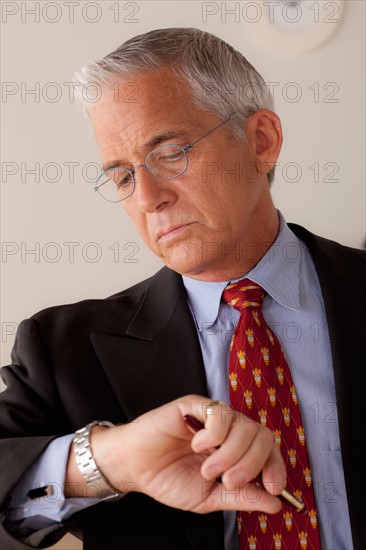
(294, 26)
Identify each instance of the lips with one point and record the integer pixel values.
(171, 230)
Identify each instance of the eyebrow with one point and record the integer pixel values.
(153, 142)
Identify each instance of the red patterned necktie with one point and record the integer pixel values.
(261, 387)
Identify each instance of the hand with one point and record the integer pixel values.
(157, 455)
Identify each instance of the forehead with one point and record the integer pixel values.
(134, 109)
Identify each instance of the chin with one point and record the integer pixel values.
(183, 264)
(181, 267)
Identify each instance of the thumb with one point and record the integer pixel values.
(250, 497)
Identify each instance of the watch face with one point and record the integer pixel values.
(294, 26)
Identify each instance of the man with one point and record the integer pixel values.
(149, 356)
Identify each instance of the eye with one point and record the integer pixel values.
(124, 181)
(170, 156)
(121, 177)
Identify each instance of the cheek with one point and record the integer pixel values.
(138, 220)
(215, 202)
(203, 190)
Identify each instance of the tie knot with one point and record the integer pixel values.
(244, 294)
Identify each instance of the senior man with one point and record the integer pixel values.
(189, 140)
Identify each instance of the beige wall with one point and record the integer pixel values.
(44, 215)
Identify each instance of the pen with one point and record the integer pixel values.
(196, 425)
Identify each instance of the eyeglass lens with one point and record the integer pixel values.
(165, 162)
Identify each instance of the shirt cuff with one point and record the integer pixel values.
(26, 515)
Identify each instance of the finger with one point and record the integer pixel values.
(274, 472)
(218, 422)
(252, 461)
(237, 443)
(237, 435)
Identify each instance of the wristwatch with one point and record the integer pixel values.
(87, 465)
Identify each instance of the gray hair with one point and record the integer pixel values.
(220, 79)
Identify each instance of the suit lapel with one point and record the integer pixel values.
(159, 357)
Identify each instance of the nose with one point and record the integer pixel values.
(151, 193)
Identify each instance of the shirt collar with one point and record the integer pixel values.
(278, 273)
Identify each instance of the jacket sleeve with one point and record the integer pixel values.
(31, 416)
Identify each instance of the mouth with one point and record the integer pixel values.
(172, 231)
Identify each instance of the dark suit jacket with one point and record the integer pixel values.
(117, 358)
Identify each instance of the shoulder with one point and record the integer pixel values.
(330, 252)
(110, 313)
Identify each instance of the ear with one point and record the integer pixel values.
(264, 133)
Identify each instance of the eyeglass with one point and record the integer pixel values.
(165, 162)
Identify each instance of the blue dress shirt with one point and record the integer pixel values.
(294, 309)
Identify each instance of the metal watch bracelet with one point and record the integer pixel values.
(86, 463)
